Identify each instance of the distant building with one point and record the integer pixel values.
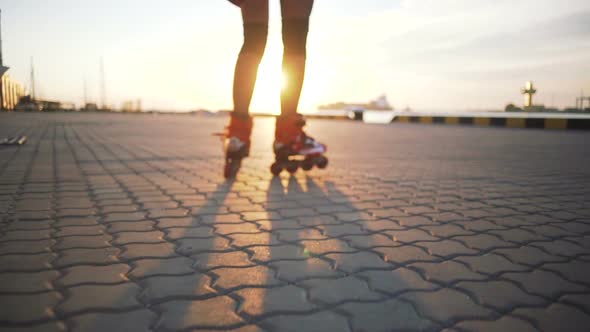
(131, 106)
(12, 91)
(28, 104)
(89, 107)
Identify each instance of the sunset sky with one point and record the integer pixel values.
(426, 54)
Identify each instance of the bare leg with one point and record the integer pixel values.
(296, 15)
(255, 18)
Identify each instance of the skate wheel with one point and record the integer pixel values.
(232, 166)
(292, 166)
(307, 164)
(276, 168)
(322, 162)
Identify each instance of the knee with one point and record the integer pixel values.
(255, 35)
(295, 36)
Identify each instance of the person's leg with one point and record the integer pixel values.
(295, 15)
(255, 19)
(237, 141)
(290, 139)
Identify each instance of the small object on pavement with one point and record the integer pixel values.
(15, 140)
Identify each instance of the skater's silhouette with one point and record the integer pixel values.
(290, 139)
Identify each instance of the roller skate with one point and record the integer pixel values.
(236, 144)
(294, 149)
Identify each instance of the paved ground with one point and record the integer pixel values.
(123, 223)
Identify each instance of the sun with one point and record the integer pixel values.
(271, 81)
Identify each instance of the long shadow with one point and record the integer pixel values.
(334, 281)
(174, 279)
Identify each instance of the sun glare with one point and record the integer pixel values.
(271, 81)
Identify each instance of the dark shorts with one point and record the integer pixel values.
(237, 2)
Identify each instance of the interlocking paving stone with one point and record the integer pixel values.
(27, 282)
(483, 242)
(317, 322)
(45, 327)
(505, 323)
(198, 246)
(447, 272)
(479, 225)
(405, 254)
(24, 263)
(30, 225)
(216, 312)
(490, 264)
(358, 261)
(241, 228)
(85, 230)
(104, 297)
(293, 235)
(332, 291)
(561, 248)
(86, 256)
(140, 320)
(108, 223)
(381, 225)
(396, 281)
(161, 288)
(76, 221)
(295, 270)
(83, 242)
(67, 213)
(150, 250)
(517, 235)
(28, 235)
(446, 305)
(267, 254)
(545, 283)
(215, 260)
(576, 271)
(271, 301)
(138, 237)
(446, 230)
(580, 300)
(253, 239)
(136, 226)
(228, 278)
(500, 295)
(133, 216)
(556, 317)
(25, 247)
(89, 274)
(528, 255)
(23, 308)
(142, 268)
(192, 232)
(446, 249)
(389, 315)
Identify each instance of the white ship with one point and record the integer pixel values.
(358, 111)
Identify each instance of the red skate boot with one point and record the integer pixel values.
(294, 148)
(236, 144)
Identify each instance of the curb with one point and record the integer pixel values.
(509, 122)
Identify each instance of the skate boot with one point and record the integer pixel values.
(294, 149)
(236, 144)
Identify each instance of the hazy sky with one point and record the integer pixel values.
(426, 54)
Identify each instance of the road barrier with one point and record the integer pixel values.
(512, 121)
